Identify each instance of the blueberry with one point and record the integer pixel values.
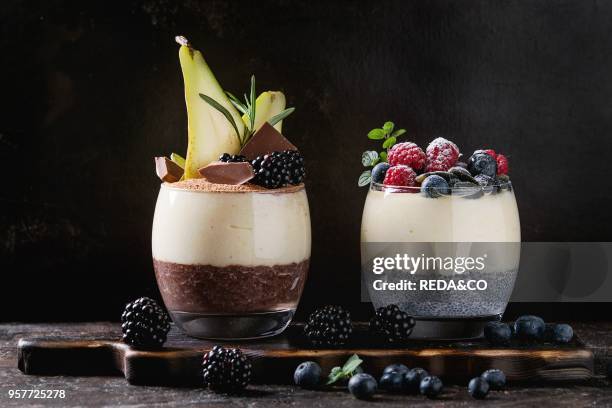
(487, 183)
(478, 388)
(400, 368)
(362, 386)
(413, 378)
(482, 163)
(307, 375)
(497, 333)
(392, 381)
(379, 171)
(529, 328)
(431, 386)
(562, 333)
(435, 186)
(496, 378)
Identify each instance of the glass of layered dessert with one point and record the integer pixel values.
(440, 238)
(231, 232)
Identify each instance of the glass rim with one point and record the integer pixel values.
(507, 185)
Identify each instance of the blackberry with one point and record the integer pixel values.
(329, 326)
(226, 370)
(392, 324)
(232, 158)
(279, 169)
(144, 323)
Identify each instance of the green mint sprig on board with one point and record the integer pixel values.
(346, 371)
(370, 158)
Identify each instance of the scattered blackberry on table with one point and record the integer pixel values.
(307, 375)
(232, 158)
(497, 333)
(379, 171)
(362, 386)
(431, 386)
(529, 328)
(144, 323)
(482, 163)
(478, 387)
(392, 324)
(329, 326)
(226, 370)
(413, 379)
(496, 379)
(279, 169)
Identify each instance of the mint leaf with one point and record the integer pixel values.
(388, 127)
(389, 142)
(365, 178)
(383, 156)
(376, 134)
(351, 364)
(335, 375)
(369, 157)
(398, 132)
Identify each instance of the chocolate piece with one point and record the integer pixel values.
(228, 173)
(167, 170)
(265, 141)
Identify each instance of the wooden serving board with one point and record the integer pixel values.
(274, 359)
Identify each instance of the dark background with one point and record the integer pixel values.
(91, 91)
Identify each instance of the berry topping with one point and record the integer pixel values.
(442, 154)
(482, 163)
(487, 183)
(408, 154)
(491, 153)
(329, 326)
(279, 169)
(502, 164)
(362, 386)
(226, 370)
(435, 186)
(496, 379)
(431, 386)
(400, 175)
(232, 158)
(391, 323)
(478, 388)
(307, 375)
(379, 171)
(144, 323)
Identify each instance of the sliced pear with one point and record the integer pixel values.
(210, 134)
(267, 105)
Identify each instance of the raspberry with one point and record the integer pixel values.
(491, 153)
(400, 175)
(407, 153)
(441, 155)
(502, 164)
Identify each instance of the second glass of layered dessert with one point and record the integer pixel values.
(231, 232)
(440, 237)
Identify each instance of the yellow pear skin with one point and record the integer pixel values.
(210, 134)
(267, 105)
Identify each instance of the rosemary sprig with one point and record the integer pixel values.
(248, 108)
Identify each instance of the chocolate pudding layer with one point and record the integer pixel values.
(233, 289)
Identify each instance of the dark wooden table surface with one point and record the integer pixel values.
(114, 391)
